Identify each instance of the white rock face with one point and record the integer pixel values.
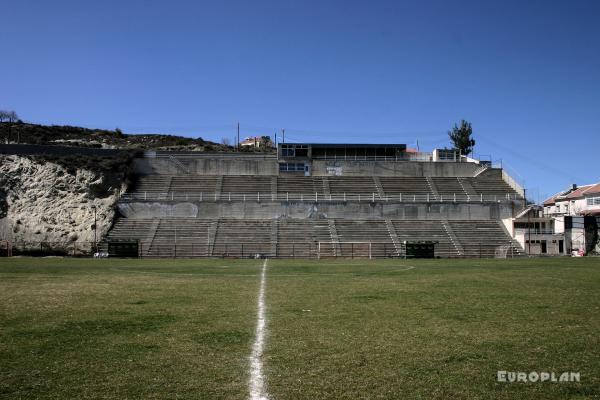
(42, 201)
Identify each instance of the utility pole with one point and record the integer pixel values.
(283, 135)
(238, 136)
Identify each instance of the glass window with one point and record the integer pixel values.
(291, 167)
(593, 201)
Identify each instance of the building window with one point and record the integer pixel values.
(593, 201)
(288, 151)
(294, 150)
(291, 167)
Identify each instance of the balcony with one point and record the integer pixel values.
(532, 231)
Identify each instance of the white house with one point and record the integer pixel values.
(536, 232)
(575, 201)
(576, 214)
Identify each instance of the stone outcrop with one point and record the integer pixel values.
(54, 202)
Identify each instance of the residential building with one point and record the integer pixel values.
(576, 214)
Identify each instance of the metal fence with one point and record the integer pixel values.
(190, 249)
(270, 250)
(33, 248)
(421, 156)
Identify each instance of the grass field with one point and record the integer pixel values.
(353, 329)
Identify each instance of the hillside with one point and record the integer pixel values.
(47, 201)
(99, 138)
(50, 202)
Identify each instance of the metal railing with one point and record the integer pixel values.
(318, 197)
(267, 249)
(533, 231)
(249, 249)
(313, 250)
(202, 155)
(44, 248)
(423, 156)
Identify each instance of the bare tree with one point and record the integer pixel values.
(4, 117)
(11, 117)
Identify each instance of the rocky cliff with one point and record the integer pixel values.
(53, 201)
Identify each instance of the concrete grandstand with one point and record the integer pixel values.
(318, 200)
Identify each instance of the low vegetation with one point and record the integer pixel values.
(421, 329)
(21, 132)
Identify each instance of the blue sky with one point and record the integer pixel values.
(526, 74)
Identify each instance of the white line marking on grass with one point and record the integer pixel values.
(257, 381)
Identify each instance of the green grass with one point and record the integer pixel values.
(352, 329)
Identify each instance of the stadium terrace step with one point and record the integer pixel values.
(352, 184)
(490, 186)
(299, 184)
(392, 186)
(274, 235)
(455, 242)
(180, 237)
(298, 187)
(425, 230)
(174, 239)
(448, 186)
(247, 184)
(432, 188)
(483, 238)
(153, 184)
(300, 238)
(194, 184)
(468, 188)
(179, 165)
(380, 191)
(353, 234)
(243, 238)
(335, 240)
(392, 231)
(326, 187)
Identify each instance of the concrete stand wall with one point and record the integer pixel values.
(308, 210)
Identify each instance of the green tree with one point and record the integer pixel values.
(461, 137)
(265, 142)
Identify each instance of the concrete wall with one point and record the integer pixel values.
(268, 165)
(307, 210)
(513, 183)
(392, 168)
(206, 166)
